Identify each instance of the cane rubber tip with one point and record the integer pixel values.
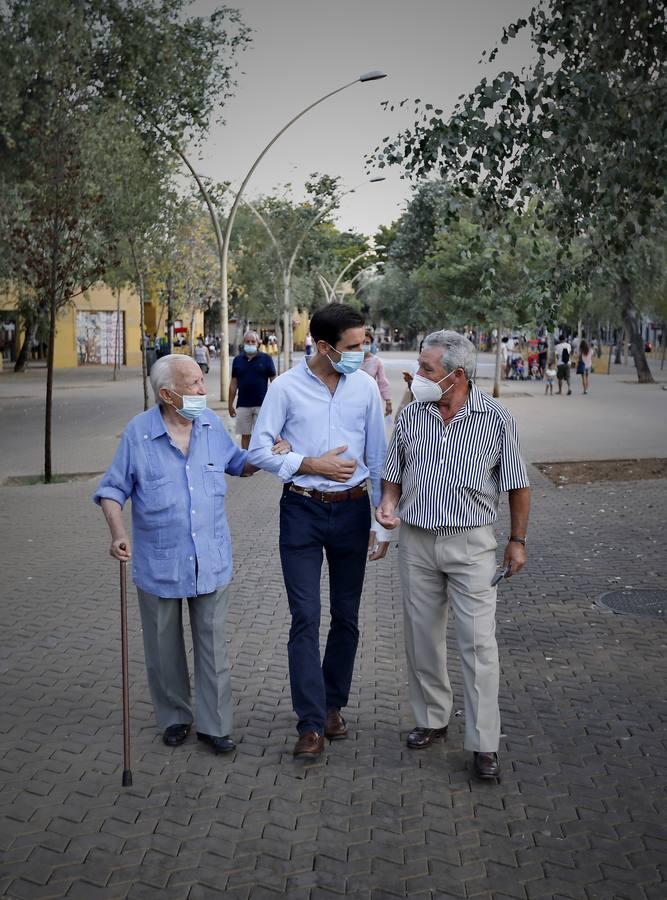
(127, 778)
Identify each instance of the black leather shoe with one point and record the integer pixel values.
(424, 737)
(175, 735)
(218, 744)
(487, 766)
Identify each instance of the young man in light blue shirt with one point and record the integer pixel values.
(331, 414)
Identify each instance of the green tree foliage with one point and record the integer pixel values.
(581, 131)
(62, 66)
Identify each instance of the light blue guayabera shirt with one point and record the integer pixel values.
(181, 542)
(301, 408)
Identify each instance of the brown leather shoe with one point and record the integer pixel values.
(424, 737)
(309, 745)
(335, 727)
(487, 766)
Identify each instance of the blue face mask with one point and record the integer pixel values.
(349, 362)
(193, 405)
(250, 349)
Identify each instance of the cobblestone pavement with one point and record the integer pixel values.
(581, 811)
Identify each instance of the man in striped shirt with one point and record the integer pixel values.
(452, 453)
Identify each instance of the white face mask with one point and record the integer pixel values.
(426, 391)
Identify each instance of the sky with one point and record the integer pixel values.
(303, 49)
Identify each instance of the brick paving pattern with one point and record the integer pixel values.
(580, 813)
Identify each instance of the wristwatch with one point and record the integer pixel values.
(518, 540)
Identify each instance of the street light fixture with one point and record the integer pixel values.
(373, 75)
(287, 269)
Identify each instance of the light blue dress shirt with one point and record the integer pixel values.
(301, 408)
(181, 541)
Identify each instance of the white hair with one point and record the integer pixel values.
(252, 334)
(457, 351)
(162, 372)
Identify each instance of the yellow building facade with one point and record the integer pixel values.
(97, 328)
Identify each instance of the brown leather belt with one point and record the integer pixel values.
(354, 493)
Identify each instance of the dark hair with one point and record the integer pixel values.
(583, 347)
(329, 322)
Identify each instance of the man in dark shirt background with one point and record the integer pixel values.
(252, 371)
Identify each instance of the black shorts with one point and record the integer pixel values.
(563, 371)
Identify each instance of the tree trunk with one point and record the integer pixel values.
(496, 377)
(142, 322)
(116, 352)
(21, 363)
(619, 349)
(643, 371)
(49, 386)
(170, 319)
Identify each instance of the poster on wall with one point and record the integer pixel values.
(100, 338)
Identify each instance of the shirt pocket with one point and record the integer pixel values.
(158, 494)
(162, 566)
(215, 487)
(215, 484)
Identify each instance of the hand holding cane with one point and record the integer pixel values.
(127, 772)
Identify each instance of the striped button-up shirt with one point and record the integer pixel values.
(451, 475)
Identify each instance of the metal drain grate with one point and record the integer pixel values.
(635, 603)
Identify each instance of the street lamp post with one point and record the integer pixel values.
(224, 311)
(332, 295)
(287, 269)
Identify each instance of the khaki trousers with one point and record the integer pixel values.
(437, 571)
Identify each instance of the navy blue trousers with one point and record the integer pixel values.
(309, 528)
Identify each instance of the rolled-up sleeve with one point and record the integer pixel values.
(513, 473)
(237, 458)
(118, 481)
(270, 424)
(393, 466)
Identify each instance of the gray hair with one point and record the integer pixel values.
(162, 373)
(252, 334)
(457, 351)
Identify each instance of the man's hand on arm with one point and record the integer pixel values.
(515, 555)
(330, 464)
(120, 543)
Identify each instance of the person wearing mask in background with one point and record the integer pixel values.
(451, 454)
(252, 372)
(331, 415)
(171, 463)
(372, 365)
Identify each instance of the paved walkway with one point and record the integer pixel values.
(581, 810)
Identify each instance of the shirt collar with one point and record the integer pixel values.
(158, 427)
(474, 403)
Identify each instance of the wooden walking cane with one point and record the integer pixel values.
(127, 772)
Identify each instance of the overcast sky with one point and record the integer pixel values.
(302, 49)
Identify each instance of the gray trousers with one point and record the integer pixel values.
(167, 667)
(437, 571)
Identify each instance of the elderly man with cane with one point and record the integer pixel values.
(171, 462)
(451, 454)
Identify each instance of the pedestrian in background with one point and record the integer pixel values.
(563, 351)
(451, 454)
(331, 414)
(252, 372)
(202, 356)
(585, 363)
(372, 365)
